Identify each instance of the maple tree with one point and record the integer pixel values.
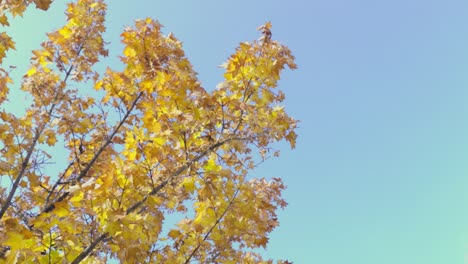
(149, 141)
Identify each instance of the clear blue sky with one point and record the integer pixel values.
(380, 173)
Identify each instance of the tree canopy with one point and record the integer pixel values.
(143, 143)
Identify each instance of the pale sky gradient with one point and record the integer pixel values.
(380, 172)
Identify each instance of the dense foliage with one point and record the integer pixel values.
(143, 143)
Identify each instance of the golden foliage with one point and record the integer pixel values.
(155, 143)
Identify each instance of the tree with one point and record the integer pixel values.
(143, 143)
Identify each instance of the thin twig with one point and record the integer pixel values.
(49, 207)
(215, 224)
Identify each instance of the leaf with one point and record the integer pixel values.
(31, 71)
(66, 32)
(11, 223)
(61, 209)
(4, 166)
(291, 138)
(129, 52)
(15, 240)
(4, 20)
(12, 257)
(211, 166)
(174, 234)
(43, 4)
(51, 139)
(77, 198)
(189, 184)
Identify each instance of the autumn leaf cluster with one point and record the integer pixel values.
(143, 143)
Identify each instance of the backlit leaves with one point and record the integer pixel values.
(152, 142)
(6, 43)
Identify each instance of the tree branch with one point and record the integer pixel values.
(49, 207)
(89, 249)
(215, 224)
(25, 162)
(180, 171)
(138, 204)
(18, 179)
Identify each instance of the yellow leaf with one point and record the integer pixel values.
(205, 216)
(31, 71)
(147, 86)
(121, 179)
(43, 61)
(77, 198)
(18, 10)
(15, 240)
(65, 32)
(129, 52)
(189, 184)
(11, 223)
(70, 243)
(130, 154)
(159, 141)
(4, 20)
(85, 124)
(171, 204)
(51, 139)
(61, 209)
(174, 234)
(12, 257)
(211, 166)
(98, 85)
